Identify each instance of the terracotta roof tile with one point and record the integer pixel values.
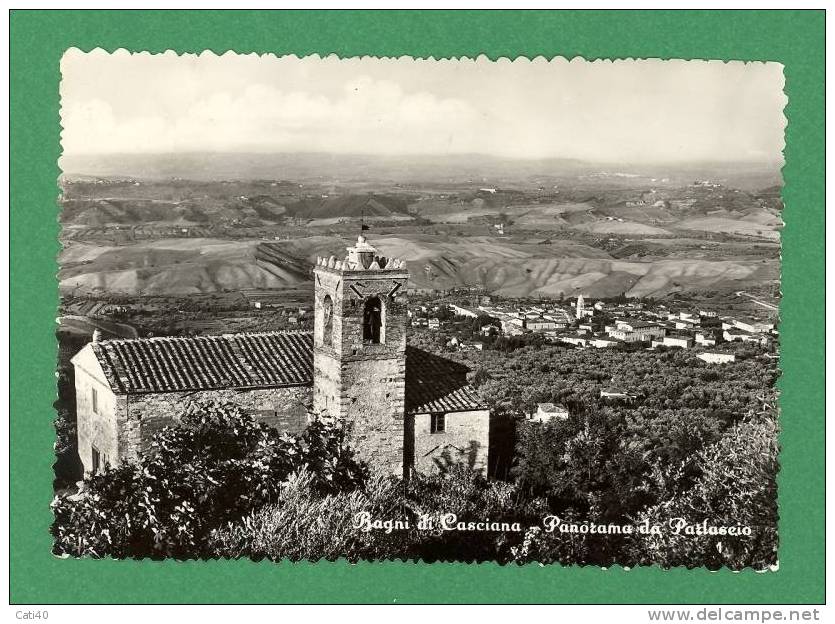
(246, 360)
(436, 384)
(259, 360)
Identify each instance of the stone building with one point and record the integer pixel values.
(404, 409)
(636, 331)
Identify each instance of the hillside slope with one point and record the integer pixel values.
(183, 266)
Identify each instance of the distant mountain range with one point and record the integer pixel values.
(348, 168)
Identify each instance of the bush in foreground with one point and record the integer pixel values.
(302, 525)
(215, 466)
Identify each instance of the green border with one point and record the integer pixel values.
(38, 38)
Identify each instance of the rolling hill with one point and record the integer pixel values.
(351, 205)
(185, 266)
(170, 266)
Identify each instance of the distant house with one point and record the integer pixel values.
(542, 323)
(616, 393)
(603, 343)
(548, 411)
(707, 340)
(741, 335)
(494, 329)
(752, 325)
(717, 358)
(579, 341)
(685, 342)
(434, 323)
(512, 326)
(635, 330)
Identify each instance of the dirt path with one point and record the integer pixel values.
(85, 325)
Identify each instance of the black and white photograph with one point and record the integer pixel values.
(520, 311)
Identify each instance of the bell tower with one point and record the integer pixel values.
(359, 351)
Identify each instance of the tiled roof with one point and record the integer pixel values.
(423, 365)
(249, 360)
(642, 324)
(263, 360)
(436, 384)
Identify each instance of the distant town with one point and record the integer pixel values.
(628, 325)
(602, 325)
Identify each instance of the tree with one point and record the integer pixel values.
(216, 465)
(737, 486)
(570, 460)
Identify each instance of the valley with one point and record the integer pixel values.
(547, 233)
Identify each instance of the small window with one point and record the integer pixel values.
(327, 320)
(96, 460)
(438, 423)
(95, 400)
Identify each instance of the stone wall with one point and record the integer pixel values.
(349, 290)
(95, 428)
(373, 406)
(141, 416)
(464, 441)
(363, 384)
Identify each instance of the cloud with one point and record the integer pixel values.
(377, 115)
(627, 111)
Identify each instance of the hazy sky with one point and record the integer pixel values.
(632, 111)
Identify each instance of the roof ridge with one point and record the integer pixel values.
(187, 363)
(275, 332)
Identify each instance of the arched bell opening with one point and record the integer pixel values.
(373, 321)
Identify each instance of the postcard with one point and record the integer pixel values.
(462, 310)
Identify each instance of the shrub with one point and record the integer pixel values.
(471, 497)
(216, 465)
(736, 487)
(306, 525)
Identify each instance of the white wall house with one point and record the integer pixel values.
(717, 358)
(546, 412)
(685, 342)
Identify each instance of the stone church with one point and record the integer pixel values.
(405, 409)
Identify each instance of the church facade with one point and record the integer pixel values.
(404, 409)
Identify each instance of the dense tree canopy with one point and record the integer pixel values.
(216, 465)
(698, 442)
